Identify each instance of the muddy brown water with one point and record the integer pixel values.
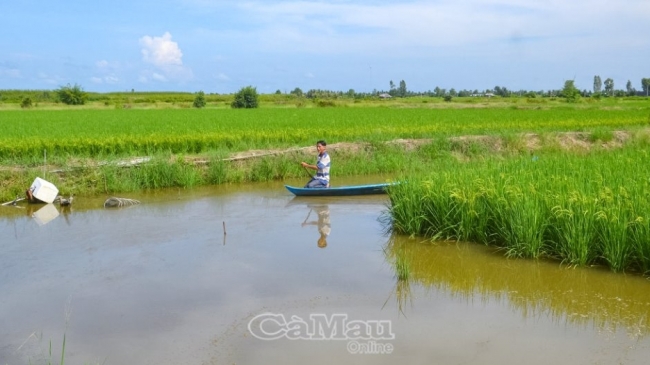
(293, 281)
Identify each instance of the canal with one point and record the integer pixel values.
(250, 274)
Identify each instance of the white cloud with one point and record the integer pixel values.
(161, 51)
(422, 27)
(166, 56)
(96, 80)
(158, 77)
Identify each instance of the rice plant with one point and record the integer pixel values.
(582, 210)
(26, 133)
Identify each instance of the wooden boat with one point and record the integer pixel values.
(341, 190)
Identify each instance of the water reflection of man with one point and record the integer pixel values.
(323, 222)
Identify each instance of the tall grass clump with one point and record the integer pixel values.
(589, 209)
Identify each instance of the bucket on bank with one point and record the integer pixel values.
(43, 191)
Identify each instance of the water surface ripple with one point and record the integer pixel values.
(160, 283)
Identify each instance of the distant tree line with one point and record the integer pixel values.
(569, 90)
(247, 97)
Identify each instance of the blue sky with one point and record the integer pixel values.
(221, 46)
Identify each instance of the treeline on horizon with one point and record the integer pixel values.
(599, 89)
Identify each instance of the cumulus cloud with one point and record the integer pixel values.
(161, 51)
(164, 54)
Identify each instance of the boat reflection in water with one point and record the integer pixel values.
(580, 296)
(323, 222)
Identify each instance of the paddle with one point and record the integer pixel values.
(305, 221)
(307, 171)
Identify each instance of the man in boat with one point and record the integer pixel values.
(322, 167)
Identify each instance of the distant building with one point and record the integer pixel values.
(385, 96)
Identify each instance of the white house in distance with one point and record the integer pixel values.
(384, 96)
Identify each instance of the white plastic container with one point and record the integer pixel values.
(44, 190)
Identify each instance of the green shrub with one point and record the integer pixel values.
(246, 97)
(325, 103)
(72, 95)
(26, 102)
(199, 100)
(570, 92)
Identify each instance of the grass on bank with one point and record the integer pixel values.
(165, 170)
(90, 177)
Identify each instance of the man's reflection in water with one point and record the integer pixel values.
(323, 222)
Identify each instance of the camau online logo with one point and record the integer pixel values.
(323, 327)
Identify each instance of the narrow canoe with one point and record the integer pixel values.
(341, 190)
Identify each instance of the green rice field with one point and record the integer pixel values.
(588, 209)
(28, 133)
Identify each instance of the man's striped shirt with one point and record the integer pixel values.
(323, 164)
